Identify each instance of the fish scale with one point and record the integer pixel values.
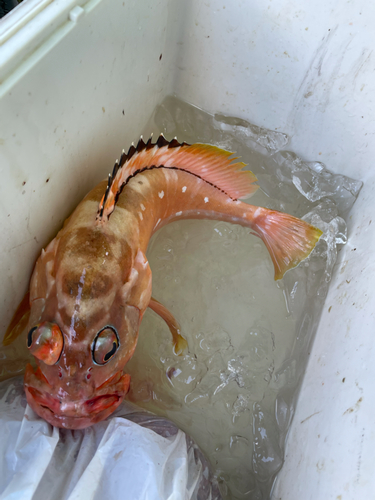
(92, 285)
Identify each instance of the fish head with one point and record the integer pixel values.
(87, 303)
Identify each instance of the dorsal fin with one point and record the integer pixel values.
(210, 163)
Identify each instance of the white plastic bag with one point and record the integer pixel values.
(133, 456)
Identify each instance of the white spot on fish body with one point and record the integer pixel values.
(143, 207)
(184, 189)
(178, 213)
(140, 215)
(161, 195)
(206, 199)
(61, 392)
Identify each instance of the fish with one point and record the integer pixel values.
(92, 284)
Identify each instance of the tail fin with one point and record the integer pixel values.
(289, 240)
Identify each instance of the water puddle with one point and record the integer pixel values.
(249, 338)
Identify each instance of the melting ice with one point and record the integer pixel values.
(235, 390)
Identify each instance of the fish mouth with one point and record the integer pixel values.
(73, 414)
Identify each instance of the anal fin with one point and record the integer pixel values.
(179, 343)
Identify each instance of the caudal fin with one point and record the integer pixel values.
(289, 240)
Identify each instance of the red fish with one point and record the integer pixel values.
(92, 284)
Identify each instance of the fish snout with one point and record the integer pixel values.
(75, 407)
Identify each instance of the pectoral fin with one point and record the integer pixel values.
(179, 343)
(19, 321)
(137, 290)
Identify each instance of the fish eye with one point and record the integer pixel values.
(30, 337)
(46, 341)
(105, 345)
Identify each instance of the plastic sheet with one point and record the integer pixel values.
(134, 455)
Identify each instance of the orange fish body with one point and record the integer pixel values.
(92, 284)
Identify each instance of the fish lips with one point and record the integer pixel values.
(73, 414)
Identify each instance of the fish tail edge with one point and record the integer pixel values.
(288, 239)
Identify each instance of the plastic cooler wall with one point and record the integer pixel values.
(80, 93)
(83, 90)
(308, 69)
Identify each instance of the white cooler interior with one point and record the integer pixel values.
(78, 82)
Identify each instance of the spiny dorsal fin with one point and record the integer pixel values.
(210, 163)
